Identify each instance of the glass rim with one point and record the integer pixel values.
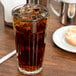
(15, 8)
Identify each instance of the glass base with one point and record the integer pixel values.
(30, 72)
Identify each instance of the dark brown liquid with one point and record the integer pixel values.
(30, 45)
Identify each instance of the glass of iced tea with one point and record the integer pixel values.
(29, 23)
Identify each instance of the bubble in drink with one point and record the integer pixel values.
(30, 24)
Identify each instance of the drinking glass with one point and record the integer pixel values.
(29, 23)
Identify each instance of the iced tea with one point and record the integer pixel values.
(30, 25)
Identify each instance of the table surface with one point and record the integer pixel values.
(57, 62)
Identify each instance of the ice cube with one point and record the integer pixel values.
(33, 17)
(43, 14)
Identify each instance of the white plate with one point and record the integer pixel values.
(60, 41)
